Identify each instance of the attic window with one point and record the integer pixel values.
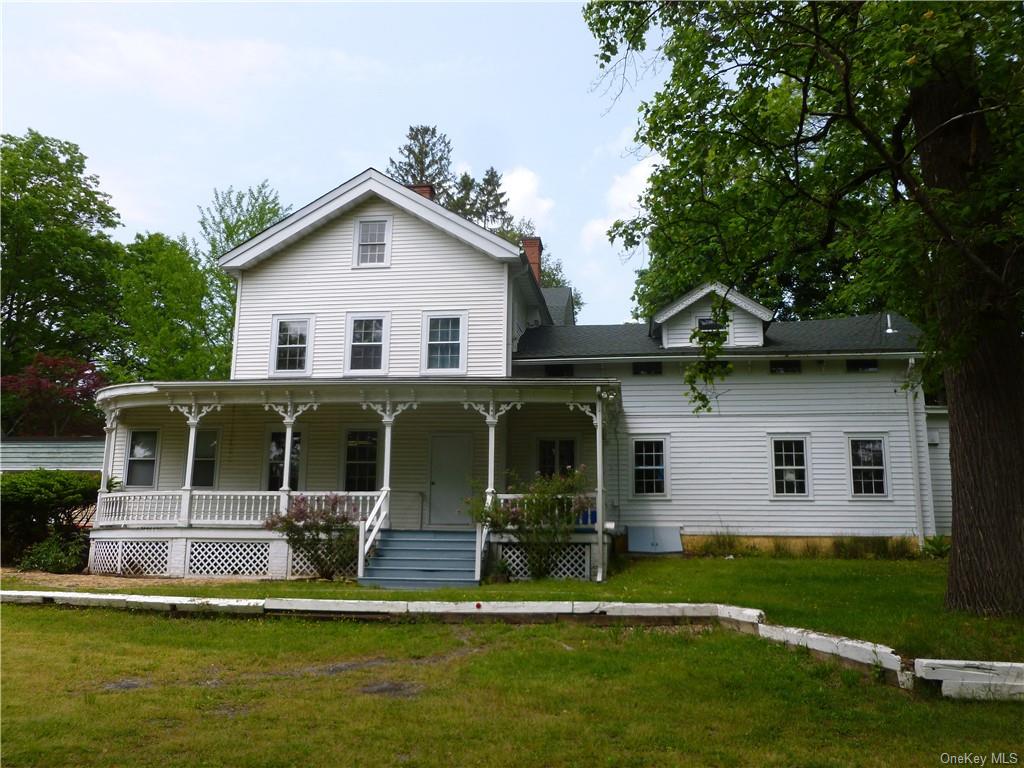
(373, 242)
(708, 325)
(861, 365)
(647, 368)
(559, 370)
(785, 366)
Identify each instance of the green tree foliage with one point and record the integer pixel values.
(60, 265)
(840, 157)
(233, 217)
(40, 502)
(425, 158)
(169, 334)
(491, 204)
(463, 198)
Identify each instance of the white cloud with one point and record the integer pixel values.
(621, 201)
(524, 199)
(215, 75)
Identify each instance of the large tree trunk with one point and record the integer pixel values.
(986, 430)
(985, 375)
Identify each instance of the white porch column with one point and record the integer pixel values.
(110, 436)
(289, 411)
(193, 413)
(492, 413)
(389, 423)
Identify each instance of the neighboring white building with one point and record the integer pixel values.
(411, 359)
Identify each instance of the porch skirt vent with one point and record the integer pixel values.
(229, 558)
(137, 557)
(573, 562)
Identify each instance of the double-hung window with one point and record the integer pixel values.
(867, 466)
(140, 469)
(368, 343)
(649, 466)
(204, 463)
(789, 466)
(373, 242)
(556, 456)
(292, 351)
(361, 460)
(444, 343)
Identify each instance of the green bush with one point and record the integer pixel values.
(327, 534)
(937, 547)
(542, 520)
(57, 553)
(724, 545)
(39, 503)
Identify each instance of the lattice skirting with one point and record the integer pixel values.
(228, 558)
(134, 557)
(573, 562)
(300, 567)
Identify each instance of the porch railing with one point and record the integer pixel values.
(370, 527)
(586, 519)
(213, 508)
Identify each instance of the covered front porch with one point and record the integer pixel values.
(195, 467)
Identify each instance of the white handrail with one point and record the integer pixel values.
(369, 528)
(482, 534)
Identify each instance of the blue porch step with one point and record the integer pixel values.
(422, 559)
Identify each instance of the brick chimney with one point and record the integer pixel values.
(533, 248)
(427, 190)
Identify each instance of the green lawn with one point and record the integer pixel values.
(898, 603)
(93, 687)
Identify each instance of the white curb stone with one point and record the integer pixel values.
(22, 598)
(490, 607)
(745, 615)
(858, 651)
(962, 689)
(335, 606)
(688, 610)
(970, 671)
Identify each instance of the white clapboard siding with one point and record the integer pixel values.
(720, 466)
(549, 420)
(745, 330)
(942, 483)
(429, 271)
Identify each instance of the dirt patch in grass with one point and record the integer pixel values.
(106, 583)
(126, 684)
(393, 690)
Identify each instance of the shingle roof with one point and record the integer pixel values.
(559, 301)
(863, 333)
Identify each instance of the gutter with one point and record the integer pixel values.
(684, 358)
(914, 459)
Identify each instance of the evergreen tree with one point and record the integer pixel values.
(425, 158)
(463, 198)
(491, 204)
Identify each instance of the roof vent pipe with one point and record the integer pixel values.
(888, 324)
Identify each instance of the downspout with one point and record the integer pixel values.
(914, 459)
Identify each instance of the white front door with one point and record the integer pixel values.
(451, 466)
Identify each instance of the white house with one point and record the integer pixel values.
(410, 359)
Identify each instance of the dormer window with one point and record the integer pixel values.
(708, 325)
(373, 242)
(292, 348)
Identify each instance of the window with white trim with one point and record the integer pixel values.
(140, 469)
(867, 466)
(367, 343)
(444, 343)
(556, 456)
(275, 460)
(361, 451)
(649, 462)
(204, 463)
(789, 466)
(373, 242)
(292, 353)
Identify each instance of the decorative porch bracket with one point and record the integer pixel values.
(596, 413)
(193, 413)
(492, 413)
(289, 411)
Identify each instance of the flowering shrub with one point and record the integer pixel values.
(326, 532)
(542, 519)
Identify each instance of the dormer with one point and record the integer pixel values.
(693, 312)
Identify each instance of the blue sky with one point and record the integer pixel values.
(169, 101)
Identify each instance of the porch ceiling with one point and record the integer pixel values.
(420, 390)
